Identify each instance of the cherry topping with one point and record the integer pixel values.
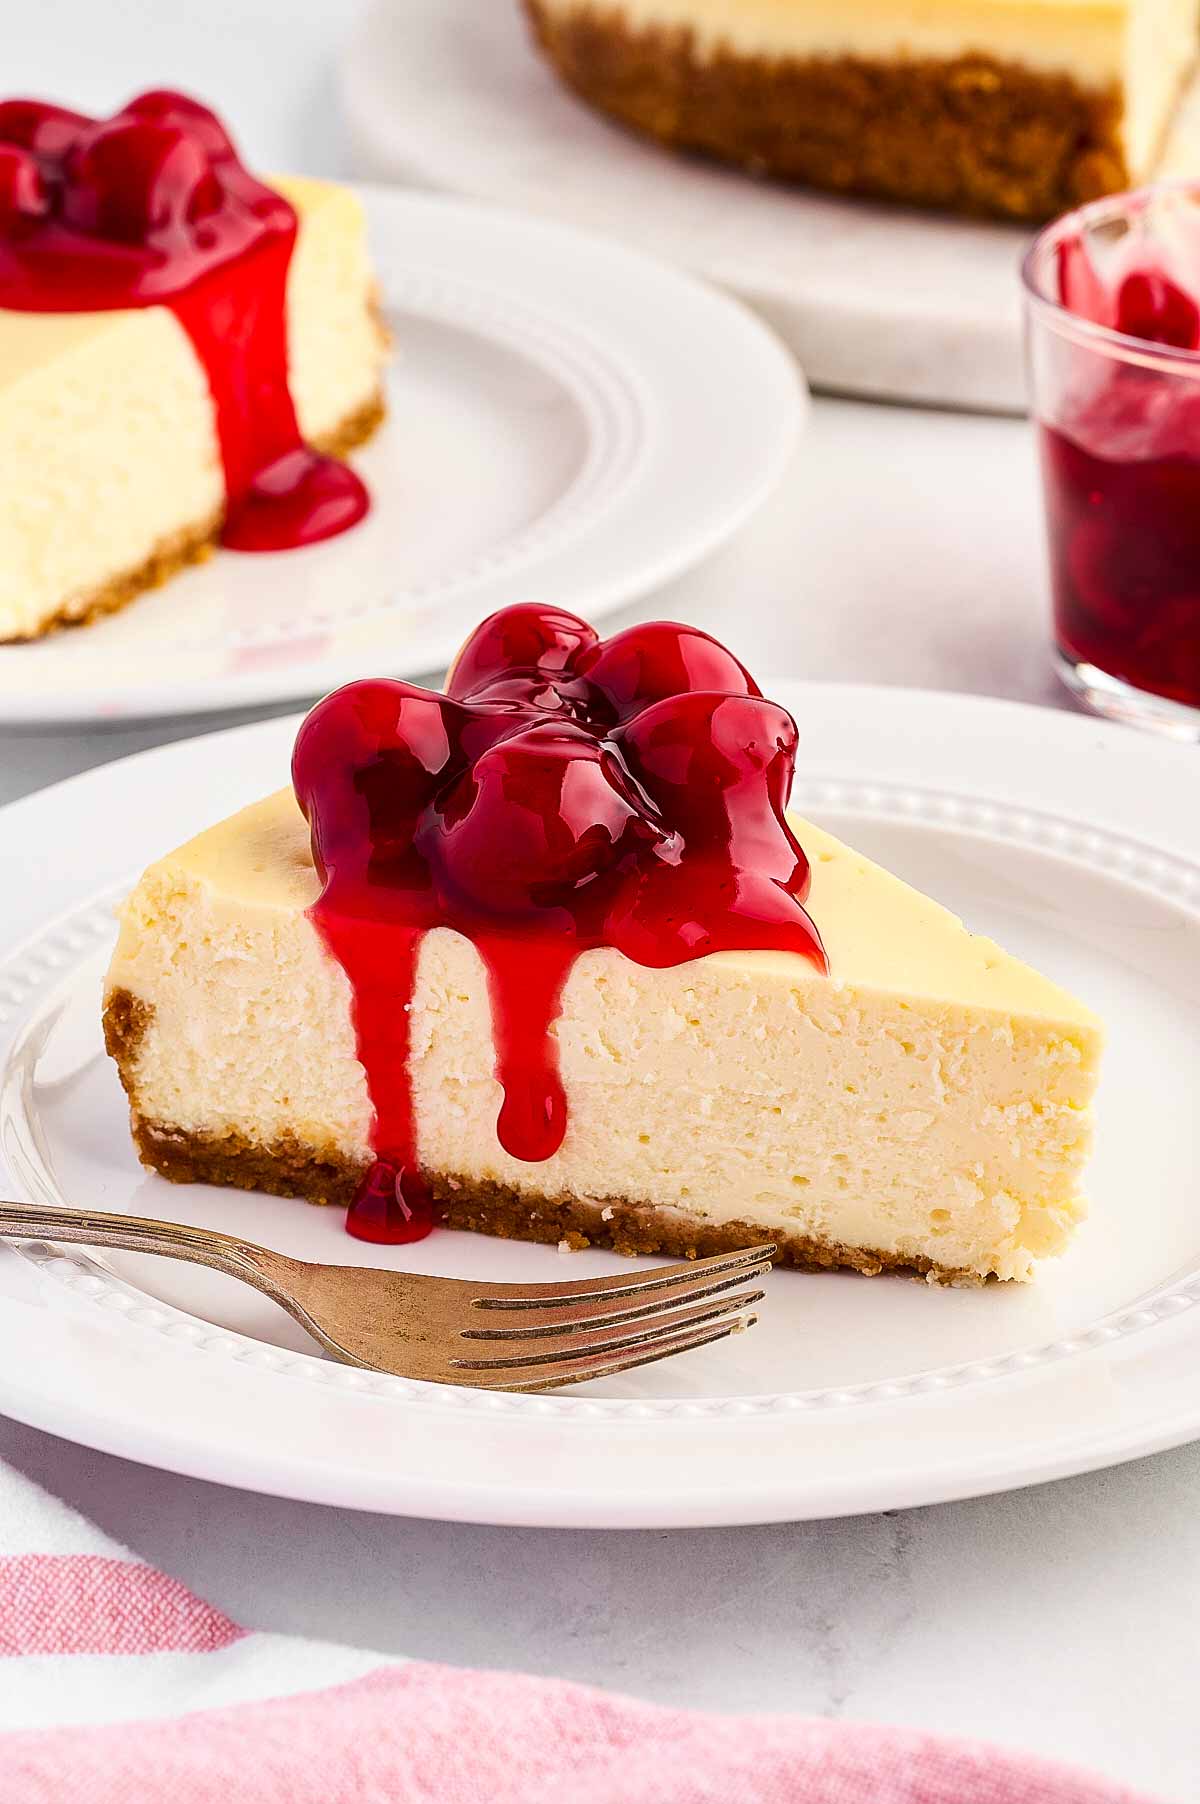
(150, 208)
(568, 793)
(132, 178)
(539, 817)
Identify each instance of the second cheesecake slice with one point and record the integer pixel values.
(173, 334)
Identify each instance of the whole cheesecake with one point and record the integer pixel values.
(184, 352)
(1016, 108)
(546, 960)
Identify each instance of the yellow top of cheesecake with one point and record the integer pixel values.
(877, 930)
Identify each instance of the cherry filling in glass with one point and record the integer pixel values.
(1120, 453)
(152, 208)
(566, 793)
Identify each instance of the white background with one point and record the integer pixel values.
(905, 547)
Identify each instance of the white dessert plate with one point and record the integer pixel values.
(876, 300)
(1076, 843)
(567, 418)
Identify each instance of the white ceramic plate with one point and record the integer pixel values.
(567, 419)
(1077, 844)
(876, 300)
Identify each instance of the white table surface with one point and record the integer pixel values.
(904, 548)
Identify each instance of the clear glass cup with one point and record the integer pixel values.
(1118, 422)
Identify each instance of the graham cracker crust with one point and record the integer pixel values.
(190, 545)
(972, 134)
(288, 1167)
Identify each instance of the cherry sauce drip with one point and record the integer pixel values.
(565, 793)
(153, 208)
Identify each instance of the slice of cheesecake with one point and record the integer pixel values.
(893, 1093)
(926, 1105)
(130, 434)
(1020, 108)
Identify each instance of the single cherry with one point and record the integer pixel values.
(1151, 306)
(520, 640)
(367, 761)
(131, 178)
(199, 122)
(720, 769)
(707, 759)
(646, 663)
(538, 818)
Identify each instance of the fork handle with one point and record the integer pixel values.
(238, 1258)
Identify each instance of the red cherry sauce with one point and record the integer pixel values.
(1121, 466)
(567, 792)
(153, 209)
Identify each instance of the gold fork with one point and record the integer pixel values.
(496, 1337)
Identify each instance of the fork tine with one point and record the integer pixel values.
(577, 1344)
(633, 1284)
(605, 1365)
(599, 1312)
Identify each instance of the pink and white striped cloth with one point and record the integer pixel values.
(116, 1684)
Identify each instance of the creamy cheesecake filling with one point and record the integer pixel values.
(111, 419)
(930, 1110)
